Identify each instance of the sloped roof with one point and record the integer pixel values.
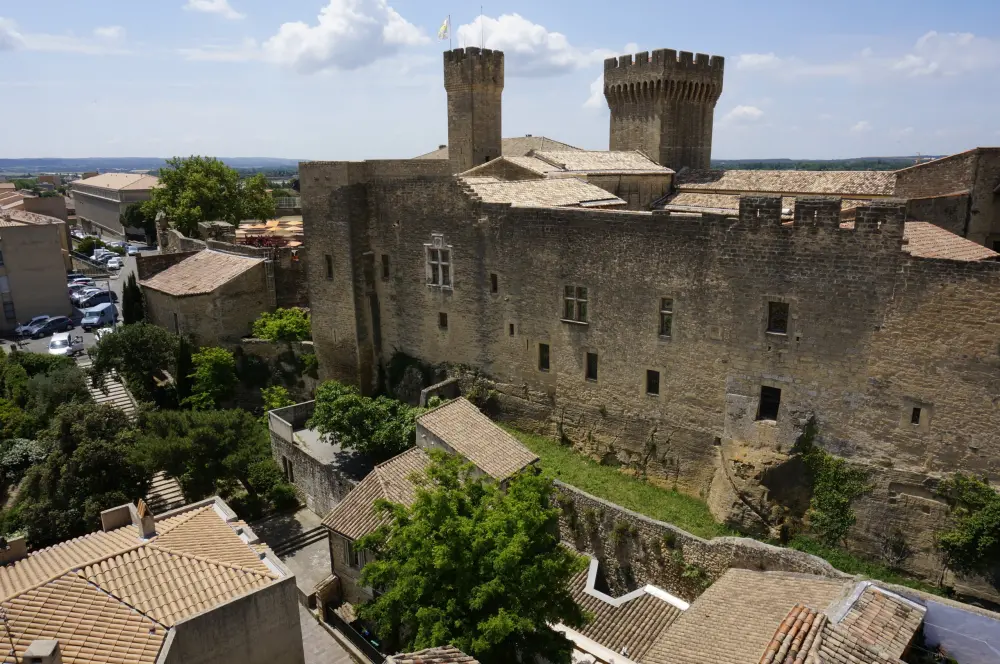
(442, 655)
(697, 201)
(597, 161)
(164, 493)
(31, 218)
(517, 146)
(807, 636)
(733, 622)
(201, 273)
(541, 193)
(883, 620)
(635, 624)
(475, 437)
(111, 597)
(847, 183)
(926, 240)
(355, 516)
(121, 181)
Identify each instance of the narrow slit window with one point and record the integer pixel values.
(329, 266)
(777, 317)
(385, 266)
(666, 316)
(510, 329)
(592, 367)
(770, 401)
(543, 357)
(443, 320)
(915, 416)
(575, 304)
(353, 555)
(652, 382)
(494, 284)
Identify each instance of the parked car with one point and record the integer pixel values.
(78, 297)
(65, 344)
(99, 316)
(103, 332)
(25, 329)
(74, 275)
(115, 263)
(98, 298)
(51, 326)
(78, 233)
(132, 250)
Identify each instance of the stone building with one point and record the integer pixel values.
(192, 585)
(102, 199)
(691, 347)
(33, 266)
(210, 296)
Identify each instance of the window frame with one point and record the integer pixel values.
(442, 320)
(439, 263)
(761, 415)
(352, 555)
(651, 373)
(770, 315)
(385, 267)
(575, 307)
(547, 355)
(328, 262)
(586, 370)
(666, 316)
(494, 283)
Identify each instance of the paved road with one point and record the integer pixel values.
(116, 284)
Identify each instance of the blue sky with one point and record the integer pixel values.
(355, 79)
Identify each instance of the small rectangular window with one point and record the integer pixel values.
(543, 357)
(592, 366)
(289, 469)
(575, 304)
(329, 266)
(443, 320)
(777, 317)
(353, 556)
(915, 416)
(666, 316)
(494, 285)
(510, 329)
(770, 400)
(385, 266)
(652, 382)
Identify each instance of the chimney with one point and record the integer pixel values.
(42, 651)
(142, 518)
(139, 516)
(12, 550)
(116, 517)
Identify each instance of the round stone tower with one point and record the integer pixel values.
(473, 78)
(663, 103)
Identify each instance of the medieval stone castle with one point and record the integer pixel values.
(682, 321)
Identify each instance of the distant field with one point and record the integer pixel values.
(855, 164)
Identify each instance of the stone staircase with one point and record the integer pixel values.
(299, 541)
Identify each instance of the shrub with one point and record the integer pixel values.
(213, 378)
(973, 543)
(283, 325)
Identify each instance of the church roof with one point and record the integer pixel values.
(843, 183)
(562, 192)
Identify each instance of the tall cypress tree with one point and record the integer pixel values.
(185, 367)
(133, 308)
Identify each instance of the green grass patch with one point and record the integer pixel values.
(846, 562)
(563, 463)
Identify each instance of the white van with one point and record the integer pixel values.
(101, 315)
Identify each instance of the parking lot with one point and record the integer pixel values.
(116, 283)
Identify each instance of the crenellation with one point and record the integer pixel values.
(818, 212)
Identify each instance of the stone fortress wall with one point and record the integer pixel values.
(872, 332)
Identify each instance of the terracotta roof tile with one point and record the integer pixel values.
(91, 626)
(837, 646)
(883, 620)
(597, 161)
(929, 241)
(635, 625)
(201, 273)
(461, 426)
(734, 621)
(796, 637)
(442, 655)
(355, 515)
(206, 535)
(847, 183)
(696, 201)
(511, 147)
(561, 192)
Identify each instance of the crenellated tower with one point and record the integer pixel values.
(663, 103)
(473, 78)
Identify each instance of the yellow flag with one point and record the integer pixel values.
(443, 31)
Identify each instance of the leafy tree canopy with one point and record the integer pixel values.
(473, 566)
(137, 216)
(87, 245)
(972, 545)
(283, 325)
(196, 189)
(139, 353)
(379, 428)
(213, 378)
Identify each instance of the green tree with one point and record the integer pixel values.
(274, 397)
(380, 428)
(133, 306)
(473, 566)
(972, 544)
(214, 451)
(199, 189)
(88, 467)
(140, 353)
(137, 216)
(60, 385)
(213, 378)
(283, 325)
(87, 245)
(185, 366)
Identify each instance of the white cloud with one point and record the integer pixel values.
(249, 49)
(110, 32)
(743, 114)
(596, 98)
(348, 34)
(757, 61)
(12, 39)
(220, 7)
(861, 127)
(529, 49)
(903, 132)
